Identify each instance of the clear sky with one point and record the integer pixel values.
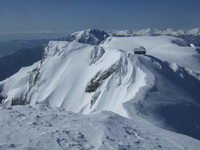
(74, 15)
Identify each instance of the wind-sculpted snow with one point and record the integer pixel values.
(161, 87)
(41, 127)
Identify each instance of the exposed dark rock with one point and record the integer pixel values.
(98, 80)
(19, 101)
(1, 98)
(94, 98)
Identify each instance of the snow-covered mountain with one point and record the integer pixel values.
(89, 36)
(161, 87)
(195, 31)
(23, 53)
(154, 32)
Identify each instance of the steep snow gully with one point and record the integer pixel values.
(161, 87)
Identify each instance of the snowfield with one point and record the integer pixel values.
(161, 87)
(41, 127)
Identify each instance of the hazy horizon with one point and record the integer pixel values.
(69, 16)
(52, 35)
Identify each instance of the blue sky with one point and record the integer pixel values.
(74, 15)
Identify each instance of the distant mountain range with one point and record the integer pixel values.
(9, 47)
(95, 37)
(11, 64)
(154, 32)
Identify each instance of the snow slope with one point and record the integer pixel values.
(161, 87)
(61, 66)
(170, 98)
(41, 127)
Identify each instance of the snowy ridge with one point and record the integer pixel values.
(86, 78)
(153, 32)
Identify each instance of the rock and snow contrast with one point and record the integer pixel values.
(160, 88)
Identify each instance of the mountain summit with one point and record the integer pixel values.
(89, 36)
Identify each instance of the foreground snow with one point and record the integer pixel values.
(41, 127)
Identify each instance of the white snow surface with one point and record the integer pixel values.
(41, 127)
(66, 72)
(161, 87)
(166, 48)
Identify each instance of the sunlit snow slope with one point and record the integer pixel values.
(161, 86)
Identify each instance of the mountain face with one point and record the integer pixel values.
(193, 40)
(89, 36)
(161, 87)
